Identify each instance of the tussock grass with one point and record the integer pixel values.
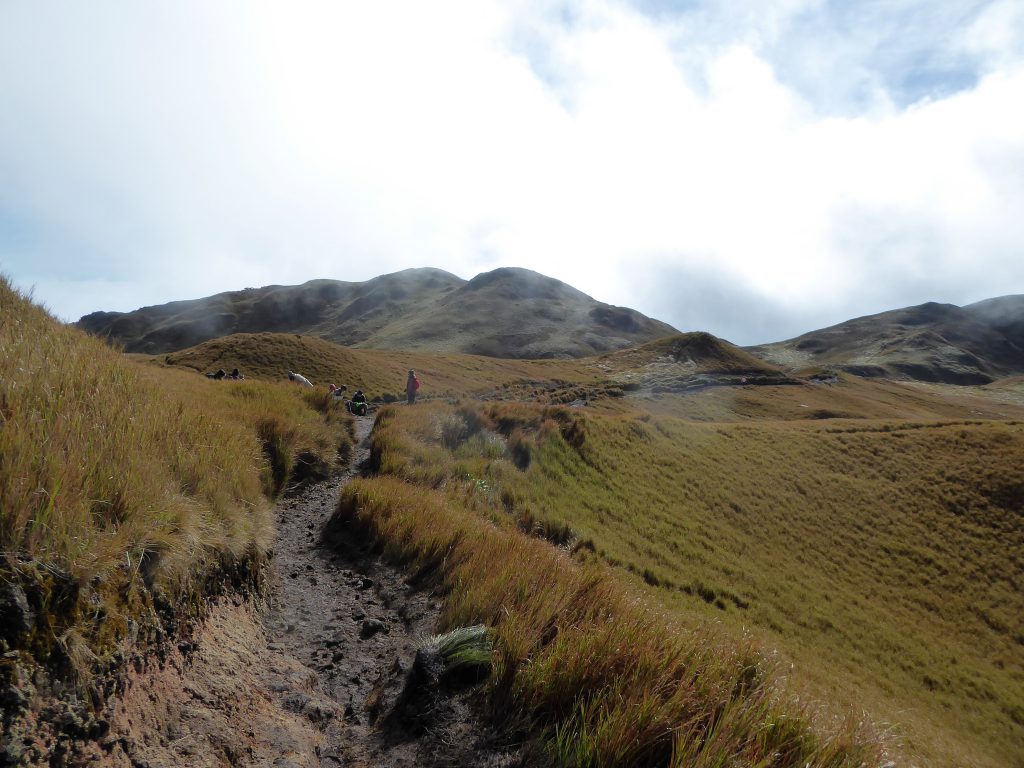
(124, 488)
(883, 556)
(611, 678)
(461, 650)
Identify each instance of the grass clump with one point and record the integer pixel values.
(460, 651)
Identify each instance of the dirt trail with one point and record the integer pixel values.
(314, 678)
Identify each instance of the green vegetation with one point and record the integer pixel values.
(125, 490)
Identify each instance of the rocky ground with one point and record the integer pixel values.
(319, 675)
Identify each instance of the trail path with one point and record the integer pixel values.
(313, 679)
(353, 622)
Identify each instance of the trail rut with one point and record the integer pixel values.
(312, 678)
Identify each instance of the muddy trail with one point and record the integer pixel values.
(321, 675)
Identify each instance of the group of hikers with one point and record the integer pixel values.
(220, 374)
(358, 404)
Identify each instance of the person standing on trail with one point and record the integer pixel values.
(292, 376)
(412, 385)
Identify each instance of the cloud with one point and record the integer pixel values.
(809, 157)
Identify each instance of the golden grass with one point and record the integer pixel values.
(881, 557)
(611, 677)
(879, 552)
(116, 480)
(379, 373)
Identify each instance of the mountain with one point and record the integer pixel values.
(510, 313)
(975, 344)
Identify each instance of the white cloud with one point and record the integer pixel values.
(161, 155)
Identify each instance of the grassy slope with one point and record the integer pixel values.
(871, 551)
(881, 556)
(887, 554)
(118, 482)
(377, 372)
(609, 677)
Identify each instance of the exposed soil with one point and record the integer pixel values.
(320, 676)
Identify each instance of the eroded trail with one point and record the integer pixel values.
(312, 679)
(353, 622)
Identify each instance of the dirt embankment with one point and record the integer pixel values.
(316, 676)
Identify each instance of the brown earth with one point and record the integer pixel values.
(319, 674)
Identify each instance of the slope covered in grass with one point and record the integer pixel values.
(377, 372)
(605, 674)
(125, 490)
(881, 558)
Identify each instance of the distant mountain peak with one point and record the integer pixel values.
(508, 312)
(927, 342)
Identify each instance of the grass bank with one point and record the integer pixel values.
(129, 494)
(604, 672)
(880, 557)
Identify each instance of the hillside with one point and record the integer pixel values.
(508, 313)
(931, 342)
(130, 498)
(667, 542)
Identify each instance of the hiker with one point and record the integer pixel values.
(235, 374)
(338, 392)
(412, 384)
(357, 406)
(292, 376)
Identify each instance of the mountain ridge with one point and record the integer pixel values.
(945, 343)
(508, 312)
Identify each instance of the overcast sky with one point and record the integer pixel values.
(755, 168)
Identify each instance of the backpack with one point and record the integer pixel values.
(416, 383)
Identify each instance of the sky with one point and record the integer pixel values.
(755, 169)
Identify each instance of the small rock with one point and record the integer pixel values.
(16, 616)
(372, 627)
(14, 699)
(316, 712)
(365, 583)
(358, 615)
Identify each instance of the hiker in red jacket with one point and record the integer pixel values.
(411, 385)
